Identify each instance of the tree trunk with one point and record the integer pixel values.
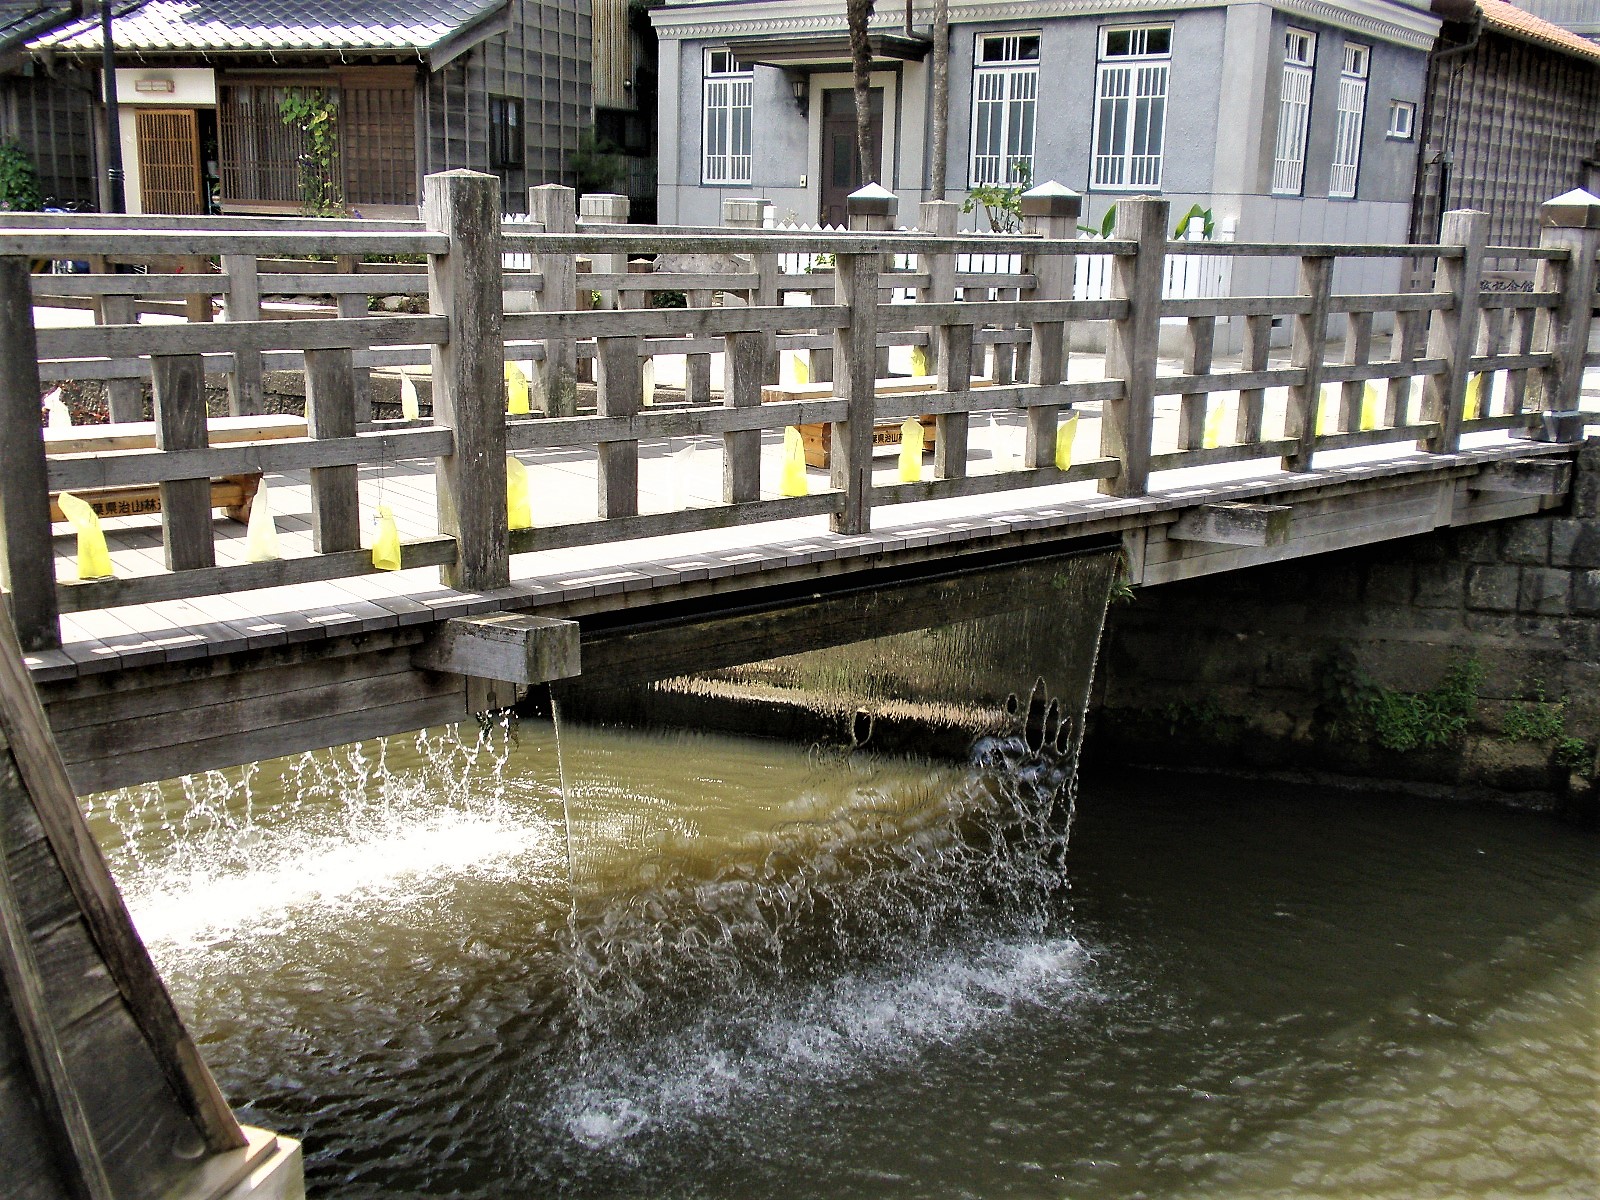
(941, 100)
(858, 13)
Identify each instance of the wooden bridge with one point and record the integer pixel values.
(1372, 415)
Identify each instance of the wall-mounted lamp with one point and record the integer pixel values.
(800, 85)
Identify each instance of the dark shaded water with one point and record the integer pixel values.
(780, 973)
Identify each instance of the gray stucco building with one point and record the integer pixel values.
(1291, 119)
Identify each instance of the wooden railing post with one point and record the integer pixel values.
(179, 383)
(1308, 347)
(749, 212)
(1571, 222)
(125, 396)
(354, 304)
(742, 367)
(552, 205)
(855, 361)
(242, 302)
(27, 557)
(1052, 211)
(331, 412)
(468, 375)
(620, 394)
(938, 218)
(872, 209)
(1128, 423)
(1453, 331)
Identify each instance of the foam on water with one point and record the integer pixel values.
(764, 1049)
(396, 864)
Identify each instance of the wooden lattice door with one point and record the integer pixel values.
(169, 161)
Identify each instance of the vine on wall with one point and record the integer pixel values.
(316, 115)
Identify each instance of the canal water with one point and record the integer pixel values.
(787, 971)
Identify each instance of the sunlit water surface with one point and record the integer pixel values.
(767, 972)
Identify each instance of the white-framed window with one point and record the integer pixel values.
(1402, 120)
(1130, 115)
(1294, 112)
(725, 124)
(1352, 108)
(1005, 97)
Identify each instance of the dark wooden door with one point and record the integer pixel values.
(169, 161)
(841, 171)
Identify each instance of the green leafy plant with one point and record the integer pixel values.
(1574, 754)
(1107, 224)
(1536, 720)
(19, 180)
(315, 114)
(1002, 205)
(1403, 721)
(669, 300)
(1203, 215)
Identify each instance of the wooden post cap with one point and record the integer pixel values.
(873, 200)
(744, 210)
(1052, 199)
(1576, 209)
(604, 206)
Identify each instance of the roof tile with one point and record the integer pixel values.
(1508, 18)
(242, 25)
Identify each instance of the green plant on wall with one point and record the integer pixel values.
(19, 180)
(316, 115)
(1537, 720)
(1359, 709)
(1002, 206)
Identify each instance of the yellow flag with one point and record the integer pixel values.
(792, 481)
(1211, 435)
(919, 361)
(516, 390)
(1066, 432)
(261, 534)
(802, 367)
(409, 409)
(1473, 409)
(1369, 406)
(519, 511)
(94, 560)
(911, 451)
(1327, 412)
(386, 547)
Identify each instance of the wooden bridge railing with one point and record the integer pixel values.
(1535, 341)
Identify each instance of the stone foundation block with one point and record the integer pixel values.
(1575, 542)
(1441, 585)
(1390, 583)
(1478, 545)
(1526, 541)
(1585, 599)
(1493, 588)
(1544, 591)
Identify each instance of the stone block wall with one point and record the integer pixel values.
(1265, 670)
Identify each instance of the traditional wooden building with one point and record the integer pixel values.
(1512, 117)
(284, 105)
(46, 108)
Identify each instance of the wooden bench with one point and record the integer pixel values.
(815, 434)
(232, 493)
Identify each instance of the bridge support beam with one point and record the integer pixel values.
(500, 654)
(1233, 525)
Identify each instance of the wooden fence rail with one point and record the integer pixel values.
(1461, 360)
